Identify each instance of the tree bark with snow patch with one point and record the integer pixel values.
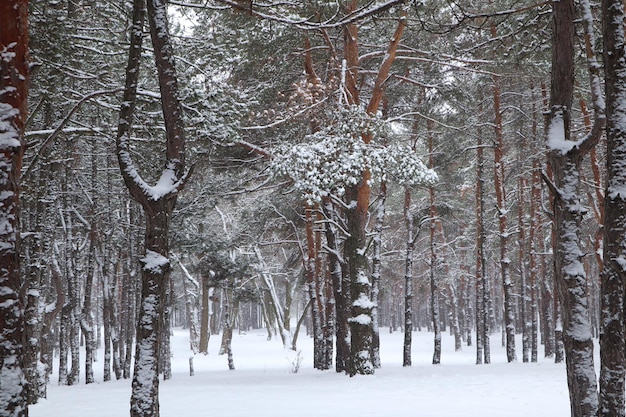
(564, 156)
(14, 76)
(158, 201)
(613, 276)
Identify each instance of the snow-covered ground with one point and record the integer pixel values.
(264, 385)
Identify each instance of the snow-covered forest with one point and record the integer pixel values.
(351, 185)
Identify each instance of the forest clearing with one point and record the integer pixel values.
(327, 174)
(264, 384)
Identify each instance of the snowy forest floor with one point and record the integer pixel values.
(264, 385)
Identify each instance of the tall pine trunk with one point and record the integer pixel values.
(408, 280)
(613, 277)
(434, 267)
(565, 160)
(340, 287)
(482, 282)
(310, 266)
(14, 76)
(158, 202)
(358, 196)
(376, 271)
(505, 261)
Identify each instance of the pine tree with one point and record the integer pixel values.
(14, 76)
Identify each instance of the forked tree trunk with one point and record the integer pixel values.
(357, 198)
(157, 201)
(14, 76)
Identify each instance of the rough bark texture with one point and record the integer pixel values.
(158, 202)
(434, 262)
(505, 261)
(534, 235)
(376, 271)
(482, 283)
(357, 198)
(525, 287)
(336, 265)
(613, 277)
(570, 276)
(312, 289)
(408, 280)
(14, 76)
(205, 334)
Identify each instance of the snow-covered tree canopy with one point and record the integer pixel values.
(335, 157)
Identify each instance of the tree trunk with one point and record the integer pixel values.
(313, 290)
(230, 313)
(482, 282)
(534, 235)
(158, 202)
(205, 333)
(565, 159)
(505, 261)
(14, 76)
(525, 287)
(361, 306)
(107, 305)
(33, 318)
(86, 316)
(191, 311)
(434, 262)
(613, 277)
(376, 267)
(165, 354)
(357, 197)
(408, 280)
(340, 286)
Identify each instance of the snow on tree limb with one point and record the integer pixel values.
(330, 160)
(309, 23)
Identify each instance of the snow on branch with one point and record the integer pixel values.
(328, 161)
(154, 261)
(64, 122)
(556, 140)
(308, 23)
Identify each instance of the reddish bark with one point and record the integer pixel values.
(14, 77)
